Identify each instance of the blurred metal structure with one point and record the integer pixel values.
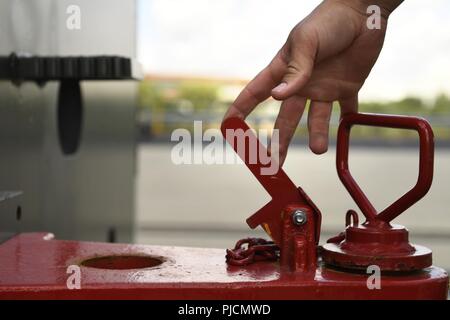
(68, 146)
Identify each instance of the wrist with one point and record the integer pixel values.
(386, 6)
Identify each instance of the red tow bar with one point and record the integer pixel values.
(293, 266)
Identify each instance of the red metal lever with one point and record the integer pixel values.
(282, 190)
(425, 163)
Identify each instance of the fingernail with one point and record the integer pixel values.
(280, 87)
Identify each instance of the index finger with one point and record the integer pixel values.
(259, 89)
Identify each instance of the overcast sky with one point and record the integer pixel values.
(236, 38)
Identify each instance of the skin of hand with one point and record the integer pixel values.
(326, 58)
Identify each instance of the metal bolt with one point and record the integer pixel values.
(299, 217)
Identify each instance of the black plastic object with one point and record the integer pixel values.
(70, 116)
(37, 68)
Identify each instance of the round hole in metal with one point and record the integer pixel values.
(122, 262)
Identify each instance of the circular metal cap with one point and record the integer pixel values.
(389, 249)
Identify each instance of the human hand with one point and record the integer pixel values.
(326, 58)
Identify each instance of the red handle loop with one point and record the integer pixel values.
(426, 161)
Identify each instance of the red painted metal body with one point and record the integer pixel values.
(35, 266)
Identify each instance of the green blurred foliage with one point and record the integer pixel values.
(190, 99)
(201, 95)
(150, 97)
(441, 105)
(409, 105)
(164, 97)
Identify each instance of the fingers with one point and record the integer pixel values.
(258, 90)
(287, 121)
(288, 72)
(349, 105)
(318, 125)
(298, 71)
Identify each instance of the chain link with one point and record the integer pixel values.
(251, 250)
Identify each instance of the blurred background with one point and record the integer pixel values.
(197, 55)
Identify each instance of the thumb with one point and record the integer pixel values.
(299, 69)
